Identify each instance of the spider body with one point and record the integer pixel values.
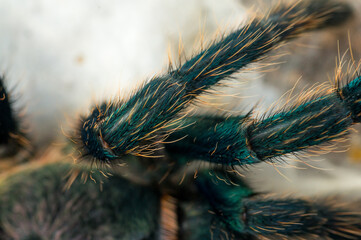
(145, 148)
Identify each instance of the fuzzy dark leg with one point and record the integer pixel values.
(325, 219)
(240, 140)
(12, 138)
(242, 212)
(215, 139)
(138, 126)
(8, 123)
(315, 122)
(198, 222)
(198, 216)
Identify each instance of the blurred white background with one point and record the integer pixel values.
(59, 56)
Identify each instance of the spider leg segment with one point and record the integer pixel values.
(140, 125)
(239, 211)
(11, 136)
(241, 140)
(8, 123)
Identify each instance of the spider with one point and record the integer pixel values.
(162, 173)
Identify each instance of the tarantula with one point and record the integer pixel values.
(162, 173)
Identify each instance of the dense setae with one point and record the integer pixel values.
(136, 174)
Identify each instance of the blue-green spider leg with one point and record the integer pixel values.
(141, 124)
(239, 211)
(243, 140)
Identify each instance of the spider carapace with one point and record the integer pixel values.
(163, 173)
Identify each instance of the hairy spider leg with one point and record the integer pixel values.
(140, 125)
(12, 135)
(242, 140)
(8, 122)
(240, 212)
